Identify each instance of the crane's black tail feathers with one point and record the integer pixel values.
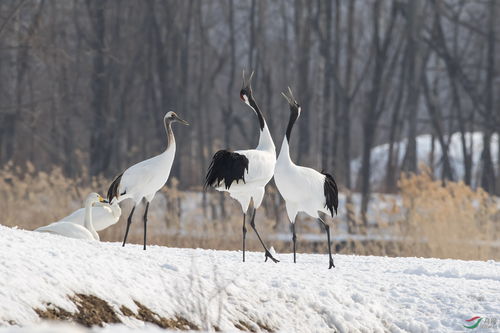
(113, 188)
(331, 193)
(226, 167)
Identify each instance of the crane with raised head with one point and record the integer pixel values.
(245, 173)
(304, 189)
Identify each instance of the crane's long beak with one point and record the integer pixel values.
(247, 83)
(182, 121)
(286, 97)
(294, 106)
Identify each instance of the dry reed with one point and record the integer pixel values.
(428, 219)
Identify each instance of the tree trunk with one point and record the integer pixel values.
(100, 147)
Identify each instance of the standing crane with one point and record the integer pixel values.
(245, 173)
(304, 189)
(145, 178)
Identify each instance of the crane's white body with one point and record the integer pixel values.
(261, 163)
(248, 171)
(73, 230)
(304, 189)
(144, 179)
(103, 216)
(301, 187)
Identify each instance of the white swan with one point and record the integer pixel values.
(74, 230)
(104, 215)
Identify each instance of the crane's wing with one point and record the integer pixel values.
(114, 188)
(225, 168)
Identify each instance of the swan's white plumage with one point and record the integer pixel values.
(67, 229)
(103, 216)
(73, 230)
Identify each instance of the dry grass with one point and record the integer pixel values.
(33, 198)
(94, 311)
(448, 220)
(430, 220)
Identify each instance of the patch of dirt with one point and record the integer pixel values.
(243, 326)
(126, 311)
(93, 311)
(264, 327)
(53, 312)
(146, 315)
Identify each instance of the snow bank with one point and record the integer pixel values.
(215, 289)
(424, 142)
(56, 327)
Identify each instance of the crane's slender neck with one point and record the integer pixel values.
(170, 134)
(294, 114)
(115, 208)
(265, 139)
(285, 147)
(88, 219)
(255, 107)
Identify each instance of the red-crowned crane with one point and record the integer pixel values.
(304, 189)
(245, 173)
(144, 179)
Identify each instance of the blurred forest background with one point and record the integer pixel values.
(85, 85)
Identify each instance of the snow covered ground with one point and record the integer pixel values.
(424, 144)
(214, 289)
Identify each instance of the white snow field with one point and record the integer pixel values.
(424, 143)
(214, 289)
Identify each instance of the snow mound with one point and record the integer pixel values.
(474, 142)
(214, 289)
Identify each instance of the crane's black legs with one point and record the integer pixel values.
(252, 224)
(294, 239)
(327, 227)
(145, 223)
(244, 235)
(129, 222)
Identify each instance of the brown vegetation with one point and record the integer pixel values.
(93, 311)
(429, 219)
(146, 315)
(448, 220)
(86, 83)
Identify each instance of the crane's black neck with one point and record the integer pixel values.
(254, 106)
(170, 133)
(294, 114)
